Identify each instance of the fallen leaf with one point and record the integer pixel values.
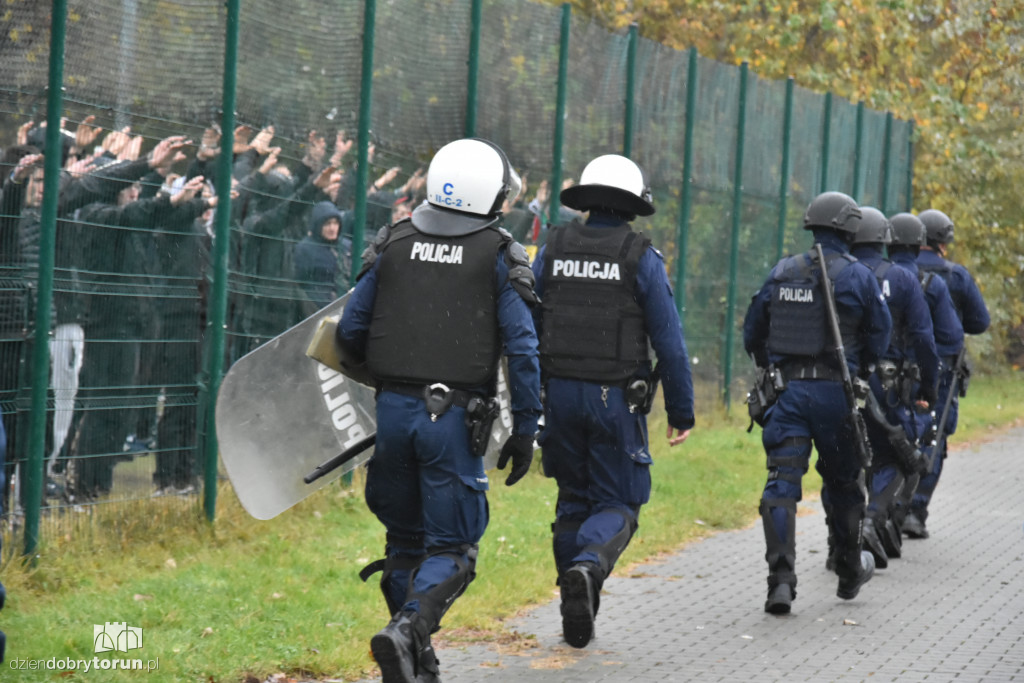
(139, 597)
(170, 563)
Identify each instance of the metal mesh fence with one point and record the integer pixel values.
(130, 334)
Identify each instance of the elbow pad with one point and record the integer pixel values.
(520, 276)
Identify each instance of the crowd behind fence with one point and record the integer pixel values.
(336, 112)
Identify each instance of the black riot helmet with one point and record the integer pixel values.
(907, 231)
(833, 210)
(938, 227)
(873, 227)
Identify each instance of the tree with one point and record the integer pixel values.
(955, 67)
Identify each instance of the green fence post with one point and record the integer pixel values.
(219, 257)
(908, 202)
(787, 136)
(563, 79)
(627, 136)
(476, 18)
(826, 137)
(883, 203)
(858, 151)
(363, 139)
(686, 199)
(734, 244)
(33, 497)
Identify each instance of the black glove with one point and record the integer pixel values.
(519, 447)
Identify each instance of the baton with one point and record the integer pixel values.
(342, 458)
(861, 444)
(953, 390)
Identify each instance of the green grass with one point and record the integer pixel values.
(243, 597)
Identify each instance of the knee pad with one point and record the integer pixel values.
(780, 550)
(401, 557)
(434, 603)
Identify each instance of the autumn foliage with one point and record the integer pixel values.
(954, 67)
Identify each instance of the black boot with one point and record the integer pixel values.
(913, 525)
(874, 545)
(852, 578)
(780, 555)
(403, 651)
(780, 599)
(579, 592)
(892, 541)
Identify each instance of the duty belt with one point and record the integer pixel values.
(437, 396)
(809, 369)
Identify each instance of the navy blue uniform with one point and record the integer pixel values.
(813, 407)
(423, 481)
(594, 446)
(970, 305)
(912, 345)
(970, 316)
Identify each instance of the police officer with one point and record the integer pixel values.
(903, 385)
(974, 317)
(441, 294)
(907, 237)
(786, 326)
(606, 298)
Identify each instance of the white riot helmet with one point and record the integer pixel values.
(467, 182)
(611, 182)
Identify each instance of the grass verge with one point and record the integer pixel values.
(240, 599)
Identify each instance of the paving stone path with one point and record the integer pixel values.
(951, 609)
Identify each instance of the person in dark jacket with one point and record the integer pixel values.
(441, 297)
(908, 236)
(119, 251)
(606, 298)
(317, 261)
(904, 385)
(786, 327)
(974, 318)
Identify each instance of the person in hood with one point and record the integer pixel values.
(319, 267)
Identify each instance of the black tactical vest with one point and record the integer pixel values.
(799, 317)
(593, 328)
(435, 317)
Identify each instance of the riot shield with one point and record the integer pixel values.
(281, 414)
